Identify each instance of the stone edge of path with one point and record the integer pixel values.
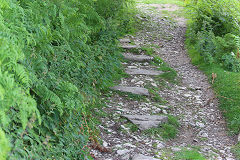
(133, 90)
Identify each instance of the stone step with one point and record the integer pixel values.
(147, 121)
(129, 46)
(143, 72)
(138, 58)
(142, 157)
(133, 90)
(124, 40)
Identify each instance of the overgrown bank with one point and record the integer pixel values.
(213, 44)
(55, 56)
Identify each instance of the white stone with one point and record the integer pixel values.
(187, 95)
(142, 157)
(125, 40)
(164, 111)
(132, 67)
(164, 107)
(182, 88)
(128, 46)
(105, 144)
(154, 84)
(122, 152)
(129, 145)
(176, 149)
(126, 157)
(140, 82)
(199, 124)
(133, 90)
(149, 79)
(160, 146)
(118, 146)
(205, 135)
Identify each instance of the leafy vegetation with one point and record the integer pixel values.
(213, 44)
(55, 56)
(214, 29)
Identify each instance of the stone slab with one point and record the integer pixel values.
(133, 90)
(147, 121)
(129, 46)
(124, 40)
(143, 72)
(138, 58)
(142, 157)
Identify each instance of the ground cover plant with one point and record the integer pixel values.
(213, 44)
(55, 56)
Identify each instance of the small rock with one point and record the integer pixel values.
(122, 152)
(140, 82)
(125, 40)
(142, 157)
(239, 138)
(105, 144)
(154, 84)
(129, 145)
(176, 149)
(199, 124)
(128, 46)
(160, 146)
(149, 79)
(126, 157)
(205, 135)
(146, 63)
(164, 111)
(118, 146)
(133, 80)
(187, 95)
(182, 88)
(132, 67)
(163, 107)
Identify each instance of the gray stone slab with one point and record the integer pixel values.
(129, 46)
(143, 72)
(138, 58)
(133, 90)
(142, 157)
(125, 40)
(147, 121)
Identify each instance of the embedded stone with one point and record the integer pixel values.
(143, 72)
(125, 40)
(128, 46)
(142, 157)
(147, 121)
(138, 58)
(133, 90)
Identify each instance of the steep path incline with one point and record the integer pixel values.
(151, 93)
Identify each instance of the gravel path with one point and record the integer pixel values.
(202, 126)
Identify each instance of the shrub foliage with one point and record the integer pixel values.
(54, 58)
(214, 30)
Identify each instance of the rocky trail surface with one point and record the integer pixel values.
(139, 106)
